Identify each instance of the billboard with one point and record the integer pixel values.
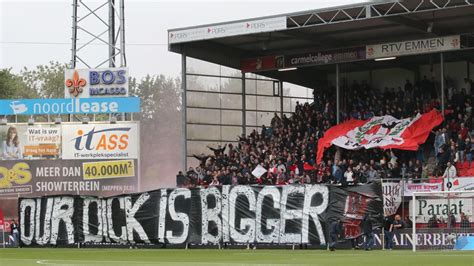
(56, 177)
(410, 47)
(30, 141)
(69, 106)
(100, 141)
(226, 214)
(94, 83)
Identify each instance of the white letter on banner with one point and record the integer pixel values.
(225, 213)
(63, 210)
(162, 218)
(132, 223)
(88, 237)
(27, 203)
(210, 215)
(314, 211)
(289, 214)
(272, 224)
(44, 239)
(178, 216)
(105, 223)
(245, 223)
(122, 238)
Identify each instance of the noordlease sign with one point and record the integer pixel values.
(432, 45)
(69, 106)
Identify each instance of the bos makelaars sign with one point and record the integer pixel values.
(94, 83)
(69, 106)
(432, 45)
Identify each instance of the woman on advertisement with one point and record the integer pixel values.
(11, 146)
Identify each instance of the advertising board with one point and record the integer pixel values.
(100, 141)
(227, 29)
(57, 177)
(30, 141)
(69, 106)
(410, 47)
(93, 83)
(459, 184)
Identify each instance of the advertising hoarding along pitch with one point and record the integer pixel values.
(100, 141)
(94, 83)
(56, 177)
(410, 47)
(69, 106)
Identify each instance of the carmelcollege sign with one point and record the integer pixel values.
(228, 214)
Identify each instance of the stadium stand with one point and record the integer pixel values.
(286, 148)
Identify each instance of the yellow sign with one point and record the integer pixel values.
(19, 174)
(108, 169)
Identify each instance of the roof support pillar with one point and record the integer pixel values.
(184, 107)
(337, 95)
(441, 64)
(244, 106)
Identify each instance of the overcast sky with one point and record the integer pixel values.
(35, 32)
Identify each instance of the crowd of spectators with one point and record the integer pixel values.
(287, 147)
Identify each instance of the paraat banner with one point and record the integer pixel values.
(100, 141)
(426, 208)
(56, 177)
(431, 45)
(243, 214)
(69, 106)
(92, 83)
(30, 141)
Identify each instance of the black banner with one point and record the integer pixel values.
(289, 214)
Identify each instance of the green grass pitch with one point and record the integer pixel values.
(118, 257)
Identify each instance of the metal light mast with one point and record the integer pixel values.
(99, 26)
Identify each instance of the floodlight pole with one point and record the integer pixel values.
(113, 37)
(111, 33)
(74, 34)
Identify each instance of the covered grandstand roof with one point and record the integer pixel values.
(340, 27)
